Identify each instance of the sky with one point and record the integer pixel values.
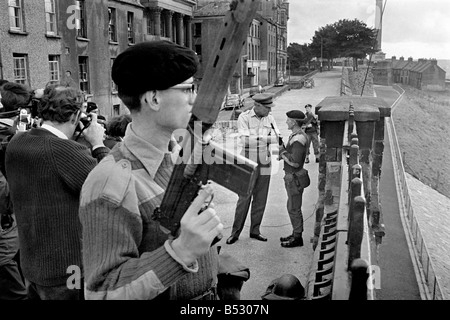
(410, 28)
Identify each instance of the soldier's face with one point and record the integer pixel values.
(178, 102)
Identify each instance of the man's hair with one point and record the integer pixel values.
(132, 102)
(15, 96)
(117, 126)
(3, 81)
(60, 103)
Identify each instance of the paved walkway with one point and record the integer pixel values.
(432, 211)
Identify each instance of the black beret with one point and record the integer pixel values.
(266, 99)
(308, 105)
(296, 115)
(153, 65)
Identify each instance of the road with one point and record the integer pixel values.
(268, 260)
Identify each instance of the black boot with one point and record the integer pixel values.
(293, 242)
(284, 239)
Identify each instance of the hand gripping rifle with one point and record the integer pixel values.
(200, 159)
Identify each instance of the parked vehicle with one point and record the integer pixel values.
(232, 101)
(280, 82)
(308, 83)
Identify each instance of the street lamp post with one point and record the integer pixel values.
(321, 53)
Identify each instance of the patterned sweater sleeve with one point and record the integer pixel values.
(112, 228)
(73, 162)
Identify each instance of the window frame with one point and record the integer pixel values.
(112, 27)
(17, 7)
(84, 83)
(56, 62)
(23, 58)
(130, 27)
(51, 15)
(81, 25)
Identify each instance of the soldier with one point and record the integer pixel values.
(312, 130)
(294, 157)
(131, 257)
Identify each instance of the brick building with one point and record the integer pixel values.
(76, 42)
(264, 55)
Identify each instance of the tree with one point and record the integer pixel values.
(324, 44)
(355, 40)
(345, 38)
(299, 55)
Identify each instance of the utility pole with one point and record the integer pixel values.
(321, 53)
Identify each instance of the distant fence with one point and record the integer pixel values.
(429, 275)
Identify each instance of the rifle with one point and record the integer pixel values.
(200, 159)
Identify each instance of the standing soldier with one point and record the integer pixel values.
(294, 156)
(311, 129)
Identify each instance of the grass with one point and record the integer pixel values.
(422, 122)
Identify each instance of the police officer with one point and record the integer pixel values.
(255, 128)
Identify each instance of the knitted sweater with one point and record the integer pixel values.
(295, 152)
(45, 175)
(126, 255)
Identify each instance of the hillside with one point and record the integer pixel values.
(422, 122)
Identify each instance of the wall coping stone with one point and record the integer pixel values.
(336, 108)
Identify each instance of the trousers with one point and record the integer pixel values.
(257, 199)
(294, 204)
(314, 138)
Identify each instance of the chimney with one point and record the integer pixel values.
(394, 58)
(421, 60)
(410, 59)
(434, 62)
(402, 59)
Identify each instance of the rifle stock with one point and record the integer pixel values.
(237, 173)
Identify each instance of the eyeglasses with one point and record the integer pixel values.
(186, 87)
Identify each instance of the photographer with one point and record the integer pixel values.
(12, 287)
(46, 171)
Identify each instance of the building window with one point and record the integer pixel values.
(50, 16)
(53, 64)
(116, 109)
(197, 29)
(113, 84)
(15, 15)
(81, 25)
(112, 24)
(20, 68)
(130, 26)
(83, 67)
